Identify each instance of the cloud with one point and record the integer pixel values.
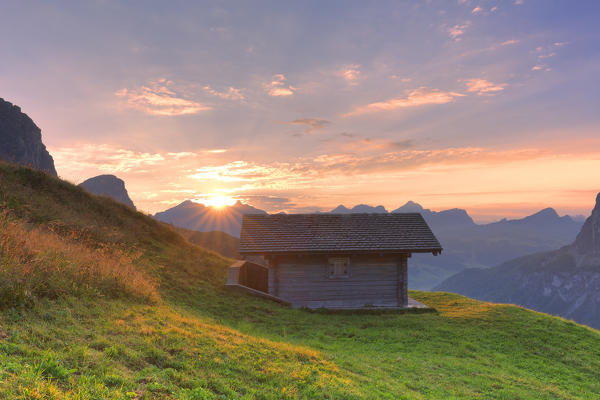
(230, 94)
(157, 98)
(483, 87)
(457, 31)
(311, 124)
(350, 73)
(278, 86)
(392, 157)
(477, 10)
(401, 79)
(541, 67)
(369, 144)
(418, 97)
(269, 202)
(519, 2)
(159, 180)
(110, 159)
(509, 42)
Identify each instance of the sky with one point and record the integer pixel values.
(491, 106)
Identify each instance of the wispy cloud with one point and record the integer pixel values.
(483, 87)
(230, 94)
(418, 97)
(458, 30)
(541, 67)
(158, 98)
(350, 73)
(369, 144)
(477, 10)
(400, 78)
(289, 185)
(509, 42)
(311, 124)
(279, 87)
(544, 54)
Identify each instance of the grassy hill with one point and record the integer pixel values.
(217, 241)
(99, 301)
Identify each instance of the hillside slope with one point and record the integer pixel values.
(217, 241)
(192, 339)
(563, 282)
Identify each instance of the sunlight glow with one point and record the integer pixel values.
(219, 201)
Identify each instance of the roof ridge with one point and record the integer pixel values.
(322, 232)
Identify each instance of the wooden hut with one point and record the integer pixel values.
(331, 260)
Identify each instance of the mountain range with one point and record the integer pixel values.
(564, 282)
(198, 217)
(466, 244)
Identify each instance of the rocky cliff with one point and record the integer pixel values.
(21, 139)
(108, 185)
(563, 282)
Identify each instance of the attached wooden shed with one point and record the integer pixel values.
(332, 260)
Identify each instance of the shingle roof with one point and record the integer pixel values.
(310, 233)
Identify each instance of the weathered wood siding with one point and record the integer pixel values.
(305, 282)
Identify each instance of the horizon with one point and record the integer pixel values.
(482, 105)
(222, 206)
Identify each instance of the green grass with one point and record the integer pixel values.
(196, 340)
(220, 242)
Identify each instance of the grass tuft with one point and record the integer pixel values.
(39, 264)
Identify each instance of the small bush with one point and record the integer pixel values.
(36, 264)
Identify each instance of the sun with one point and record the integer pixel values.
(219, 201)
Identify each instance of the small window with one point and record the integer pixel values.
(339, 267)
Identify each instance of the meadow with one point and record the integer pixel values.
(100, 301)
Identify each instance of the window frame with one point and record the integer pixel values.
(338, 267)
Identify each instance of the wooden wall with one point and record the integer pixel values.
(373, 280)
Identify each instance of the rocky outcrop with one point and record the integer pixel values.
(21, 140)
(110, 186)
(587, 244)
(563, 282)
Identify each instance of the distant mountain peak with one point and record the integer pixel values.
(108, 185)
(359, 208)
(341, 209)
(547, 212)
(199, 217)
(409, 207)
